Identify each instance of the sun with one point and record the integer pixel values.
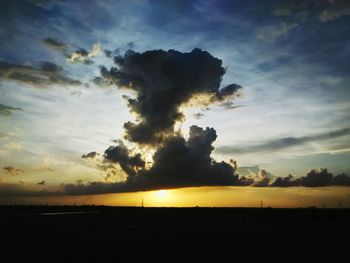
(161, 194)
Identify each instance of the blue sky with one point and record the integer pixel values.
(291, 57)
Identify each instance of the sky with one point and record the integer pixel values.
(226, 103)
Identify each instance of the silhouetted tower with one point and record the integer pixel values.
(261, 204)
(142, 202)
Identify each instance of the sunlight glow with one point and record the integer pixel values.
(161, 194)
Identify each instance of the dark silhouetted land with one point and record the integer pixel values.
(129, 234)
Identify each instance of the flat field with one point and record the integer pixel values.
(129, 234)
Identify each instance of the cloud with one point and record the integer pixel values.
(13, 171)
(41, 183)
(13, 146)
(271, 33)
(110, 53)
(285, 181)
(77, 93)
(248, 170)
(54, 44)
(296, 9)
(283, 143)
(82, 55)
(336, 9)
(341, 180)
(8, 110)
(89, 155)
(262, 179)
(19, 190)
(300, 10)
(121, 155)
(164, 81)
(314, 178)
(254, 176)
(176, 163)
(198, 115)
(47, 74)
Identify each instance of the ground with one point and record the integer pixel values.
(129, 234)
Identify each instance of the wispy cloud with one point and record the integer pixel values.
(337, 9)
(8, 110)
(271, 33)
(13, 171)
(48, 73)
(54, 44)
(282, 143)
(21, 190)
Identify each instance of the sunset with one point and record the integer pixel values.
(145, 104)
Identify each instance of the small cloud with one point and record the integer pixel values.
(229, 105)
(8, 110)
(198, 115)
(82, 55)
(90, 155)
(337, 9)
(13, 171)
(77, 93)
(54, 44)
(271, 33)
(130, 45)
(331, 81)
(41, 183)
(110, 53)
(295, 9)
(262, 179)
(13, 146)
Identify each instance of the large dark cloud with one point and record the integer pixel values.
(163, 81)
(283, 143)
(188, 163)
(176, 163)
(314, 178)
(46, 74)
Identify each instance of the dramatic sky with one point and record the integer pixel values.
(223, 103)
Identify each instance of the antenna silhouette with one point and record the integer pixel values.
(261, 204)
(142, 202)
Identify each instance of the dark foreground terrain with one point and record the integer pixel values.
(116, 234)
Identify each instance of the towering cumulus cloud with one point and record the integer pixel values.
(165, 81)
(177, 163)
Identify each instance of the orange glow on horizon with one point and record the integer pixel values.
(206, 197)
